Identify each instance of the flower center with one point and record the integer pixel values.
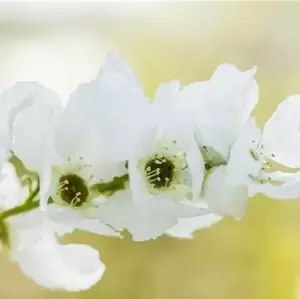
(73, 190)
(160, 172)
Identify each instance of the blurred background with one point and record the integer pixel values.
(61, 45)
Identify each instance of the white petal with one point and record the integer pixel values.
(12, 193)
(165, 99)
(79, 220)
(281, 134)
(284, 191)
(45, 177)
(187, 226)
(289, 187)
(115, 65)
(223, 198)
(285, 177)
(221, 107)
(144, 220)
(34, 224)
(241, 164)
(119, 108)
(60, 267)
(11, 99)
(136, 180)
(121, 212)
(34, 127)
(196, 166)
(75, 122)
(117, 210)
(238, 83)
(241, 85)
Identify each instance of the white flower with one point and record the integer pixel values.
(252, 154)
(166, 171)
(213, 112)
(33, 242)
(237, 154)
(63, 149)
(218, 110)
(164, 163)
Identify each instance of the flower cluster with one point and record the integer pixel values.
(111, 159)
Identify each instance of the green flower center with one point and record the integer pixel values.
(73, 190)
(160, 172)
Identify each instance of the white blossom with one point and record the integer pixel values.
(60, 146)
(237, 155)
(33, 243)
(165, 167)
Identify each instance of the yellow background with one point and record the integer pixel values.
(62, 45)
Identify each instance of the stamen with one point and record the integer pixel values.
(149, 172)
(154, 173)
(63, 183)
(159, 172)
(76, 199)
(73, 190)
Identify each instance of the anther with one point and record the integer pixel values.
(73, 190)
(159, 172)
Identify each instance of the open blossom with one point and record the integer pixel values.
(249, 169)
(237, 154)
(278, 141)
(204, 118)
(33, 243)
(32, 238)
(65, 160)
(165, 167)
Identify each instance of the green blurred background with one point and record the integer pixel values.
(62, 45)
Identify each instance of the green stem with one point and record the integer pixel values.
(107, 189)
(27, 206)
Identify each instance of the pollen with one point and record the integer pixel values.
(73, 190)
(160, 172)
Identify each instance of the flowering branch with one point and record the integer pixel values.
(196, 155)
